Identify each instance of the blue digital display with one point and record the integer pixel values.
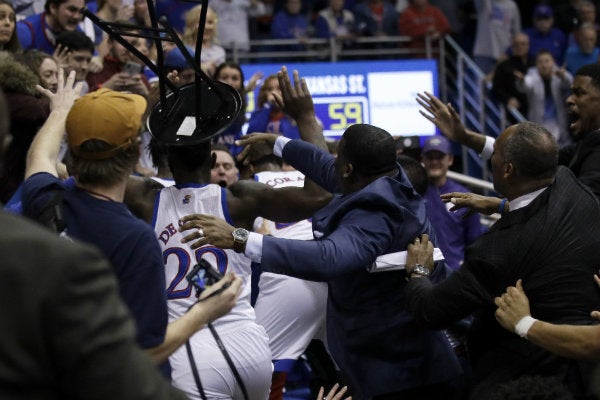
(380, 93)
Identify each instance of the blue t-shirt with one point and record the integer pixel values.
(555, 41)
(575, 59)
(128, 243)
(453, 232)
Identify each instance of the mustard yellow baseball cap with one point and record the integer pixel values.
(107, 115)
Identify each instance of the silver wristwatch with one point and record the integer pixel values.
(420, 270)
(240, 237)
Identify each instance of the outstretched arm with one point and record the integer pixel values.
(581, 342)
(475, 202)
(445, 117)
(43, 151)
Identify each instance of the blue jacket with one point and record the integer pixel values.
(374, 340)
(33, 34)
(554, 41)
(260, 121)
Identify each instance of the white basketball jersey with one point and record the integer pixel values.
(174, 203)
(301, 230)
(291, 310)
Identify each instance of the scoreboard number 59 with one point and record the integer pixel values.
(345, 114)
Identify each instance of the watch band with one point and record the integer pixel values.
(239, 246)
(240, 237)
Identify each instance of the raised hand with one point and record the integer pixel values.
(61, 56)
(445, 117)
(66, 92)
(295, 100)
(253, 81)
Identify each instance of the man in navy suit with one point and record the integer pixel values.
(381, 350)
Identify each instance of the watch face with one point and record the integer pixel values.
(240, 234)
(420, 269)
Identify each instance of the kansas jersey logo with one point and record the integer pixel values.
(187, 198)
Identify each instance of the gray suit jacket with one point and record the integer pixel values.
(65, 333)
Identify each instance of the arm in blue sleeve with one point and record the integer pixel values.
(360, 237)
(315, 163)
(25, 34)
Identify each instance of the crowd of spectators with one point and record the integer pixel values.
(484, 28)
(532, 52)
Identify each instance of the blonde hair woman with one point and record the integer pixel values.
(212, 54)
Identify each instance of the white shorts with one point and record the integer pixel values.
(293, 313)
(247, 346)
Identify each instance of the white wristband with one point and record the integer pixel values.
(524, 325)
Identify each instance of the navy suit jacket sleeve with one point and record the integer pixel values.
(315, 163)
(360, 236)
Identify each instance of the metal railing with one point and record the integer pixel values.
(331, 49)
(467, 87)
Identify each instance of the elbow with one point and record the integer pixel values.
(156, 355)
(323, 198)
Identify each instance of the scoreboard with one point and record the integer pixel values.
(380, 93)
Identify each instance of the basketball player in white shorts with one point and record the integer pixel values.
(291, 310)
(244, 340)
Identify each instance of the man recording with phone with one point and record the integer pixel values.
(122, 71)
(102, 130)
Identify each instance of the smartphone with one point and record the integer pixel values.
(203, 275)
(132, 68)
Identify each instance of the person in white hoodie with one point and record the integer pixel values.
(547, 86)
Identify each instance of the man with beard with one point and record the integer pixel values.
(582, 157)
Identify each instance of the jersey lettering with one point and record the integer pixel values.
(167, 233)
